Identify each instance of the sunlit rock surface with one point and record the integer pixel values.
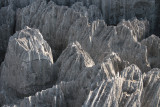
(72, 62)
(28, 62)
(98, 40)
(151, 92)
(100, 58)
(82, 80)
(54, 21)
(118, 91)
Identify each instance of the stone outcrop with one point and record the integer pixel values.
(51, 97)
(110, 83)
(121, 39)
(96, 64)
(153, 50)
(157, 11)
(140, 29)
(101, 85)
(75, 86)
(54, 21)
(129, 86)
(75, 24)
(7, 24)
(28, 62)
(114, 11)
(16, 3)
(151, 92)
(71, 24)
(72, 62)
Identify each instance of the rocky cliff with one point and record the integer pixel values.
(79, 53)
(114, 11)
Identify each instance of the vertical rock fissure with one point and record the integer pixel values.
(157, 25)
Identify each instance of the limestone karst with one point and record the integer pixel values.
(28, 62)
(7, 24)
(79, 53)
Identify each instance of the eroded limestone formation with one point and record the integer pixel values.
(7, 24)
(97, 65)
(28, 62)
(153, 50)
(114, 11)
(54, 21)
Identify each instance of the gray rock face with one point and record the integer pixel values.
(28, 62)
(54, 21)
(16, 3)
(51, 97)
(72, 62)
(114, 11)
(76, 85)
(71, 24)
(121, 39)
(104, 84)
(140, 29)
(7, 23)
(126, 90)
(129, 87)
(151, 82)
(153, 50)
(100, 66)
(157, 25)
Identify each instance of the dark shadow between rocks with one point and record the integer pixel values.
(2, 55)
